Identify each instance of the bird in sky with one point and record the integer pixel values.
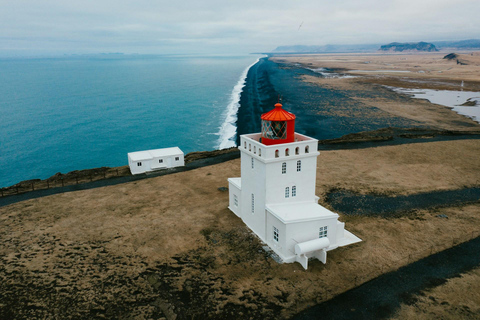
(301, 24)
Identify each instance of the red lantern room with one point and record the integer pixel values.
(278, 126)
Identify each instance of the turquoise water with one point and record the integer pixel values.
(64, 114)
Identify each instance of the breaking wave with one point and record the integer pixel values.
(228, 130)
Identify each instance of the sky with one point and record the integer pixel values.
(44, 27)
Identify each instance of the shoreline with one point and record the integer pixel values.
(166, 246)
(103, 176)
(228, 130)
(165, 102)
(328, 114)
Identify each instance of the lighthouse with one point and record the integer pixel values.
(275, 195)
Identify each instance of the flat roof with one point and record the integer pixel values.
(155, 153)
(237, 182)
(298, 138)
(165, 152)
(299, 211)
(140, 155)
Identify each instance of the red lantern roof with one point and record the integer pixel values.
(278, 114)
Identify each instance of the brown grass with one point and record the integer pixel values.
(426, 70)
(170, 245)
(458, 298)
(429, 71)
(405, 169)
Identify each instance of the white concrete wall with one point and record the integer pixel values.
(157, 165)
(305, 231)
(180, 162)
(153, 164)
(253, 182)
(233, 191)
(135, 169)
(266, 181)
(303, 180)
(170, 162)
(280, 246)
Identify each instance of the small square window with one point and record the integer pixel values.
(160, 160)
(276, 234)
(322, 233)
(177, 158)
(139, 164)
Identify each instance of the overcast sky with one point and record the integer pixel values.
(222, 26)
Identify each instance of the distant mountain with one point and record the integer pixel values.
(329, 48)
(394, 46)
(462, 44)
(409, 46)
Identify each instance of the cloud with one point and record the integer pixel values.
(152, 26)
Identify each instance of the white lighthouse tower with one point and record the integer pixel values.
(275, 195)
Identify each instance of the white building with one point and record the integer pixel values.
(150, 160)
(275, 195)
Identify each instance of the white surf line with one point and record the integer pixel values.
(228, 130)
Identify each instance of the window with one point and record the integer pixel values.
(139, 164)
(287, 152)
(276, 234)
(235, 200)
(253, 163)
(253, 203)
(299, 165)
(274, 129)
(322, 233)
(160, 160)
(297, 150)
(284, 168)
(276, 153)
(287, 192)
(294, 191)
(177, 158)
(307, 149)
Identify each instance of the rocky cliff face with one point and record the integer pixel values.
(409, 46)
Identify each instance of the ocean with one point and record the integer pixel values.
(79, 112)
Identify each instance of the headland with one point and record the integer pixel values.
(167, 246)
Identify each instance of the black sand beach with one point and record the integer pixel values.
(320, 112)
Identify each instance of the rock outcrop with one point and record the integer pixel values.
(409, 46)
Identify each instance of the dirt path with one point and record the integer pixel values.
(381, 297)
(391, 206)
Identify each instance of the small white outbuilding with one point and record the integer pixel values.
(151, 160)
